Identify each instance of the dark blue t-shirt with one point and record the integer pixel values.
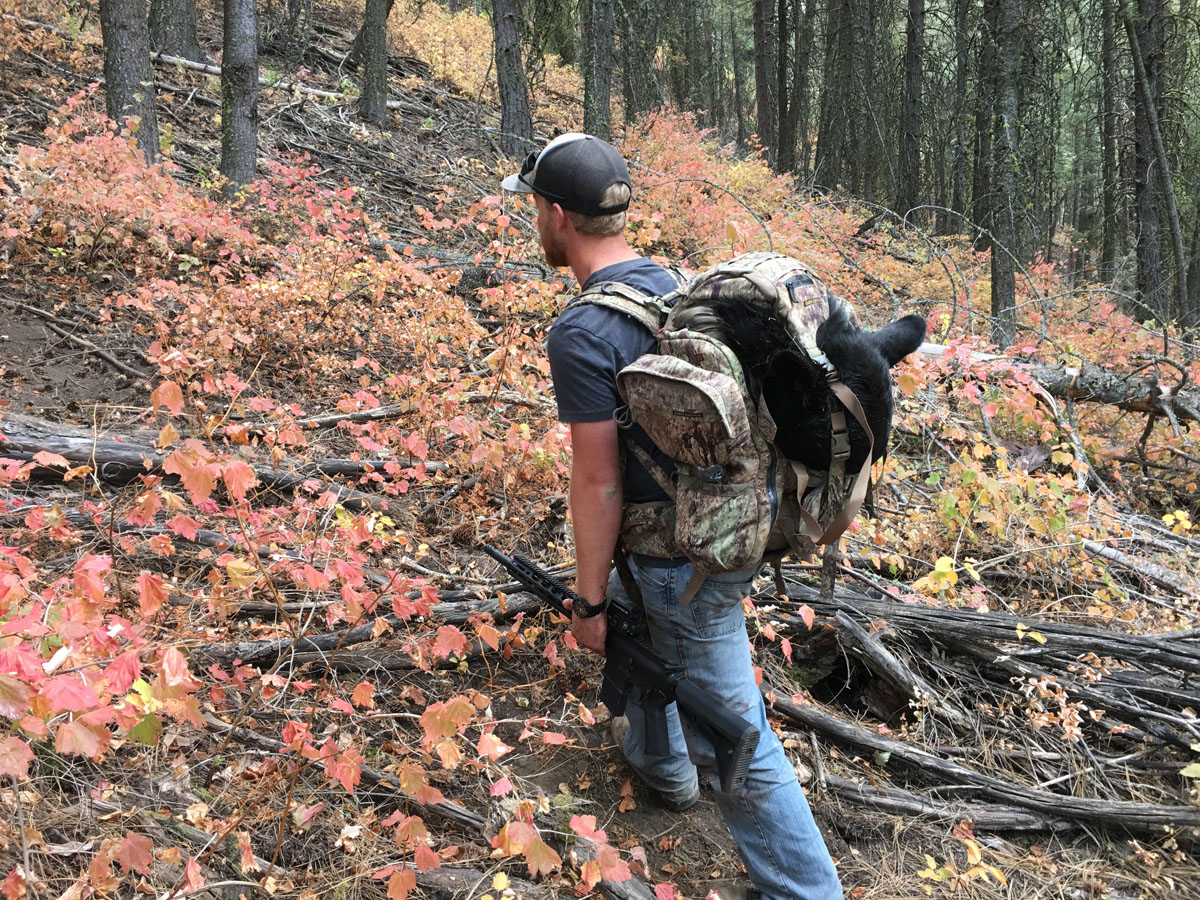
(588, 345)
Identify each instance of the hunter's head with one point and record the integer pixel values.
(582, 189)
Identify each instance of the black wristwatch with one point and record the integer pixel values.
(585, 610)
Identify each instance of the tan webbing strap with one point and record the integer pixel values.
(812, 528)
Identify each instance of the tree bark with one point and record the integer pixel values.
(1149, 94)
(801, 102)
(239, 93)
(959, 173)
(764, 57)
(1147, 34)
(908, 168)
(173, 29)
(1004, 212)
(739, 109)
(597, 76)
(641, 27)
(355, 56)
(785, 142)
(128, 73)
(1110, 240)
(516, 119)
(985, 108)
(837, 118)
(373, 103)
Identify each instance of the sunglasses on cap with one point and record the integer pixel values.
(527, 168)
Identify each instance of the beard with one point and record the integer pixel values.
(555, 249)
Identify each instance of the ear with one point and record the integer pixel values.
(900, 338)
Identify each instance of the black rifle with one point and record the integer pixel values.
(633, 669)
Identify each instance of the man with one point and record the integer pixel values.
(582, 189)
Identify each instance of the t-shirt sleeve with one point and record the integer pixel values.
(584, 368)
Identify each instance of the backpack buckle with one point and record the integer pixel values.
(714, 474)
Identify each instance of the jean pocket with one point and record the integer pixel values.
(716, 610)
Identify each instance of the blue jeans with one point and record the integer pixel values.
(784, 853)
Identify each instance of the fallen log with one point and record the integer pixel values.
(1091, 383)
(1132, 816)
(23, 436)
(984, 816)
(1177, 650)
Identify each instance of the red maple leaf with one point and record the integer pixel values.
(15, 757)
(68, 692)
(136, 853)
(152, 593)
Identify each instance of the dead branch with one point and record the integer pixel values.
(1135, 817)
(1160, 575)
(884, 663)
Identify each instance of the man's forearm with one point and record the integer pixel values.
(596, 517)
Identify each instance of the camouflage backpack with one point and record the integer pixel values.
(735, 499)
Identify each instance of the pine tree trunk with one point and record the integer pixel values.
(173, 29)
(355, 56)
(837, 90)
(785, 140)
(708, 67)
(1111, 237)
(908, 167)
(641, 24)
(597, 81)
(764, 57)
(738, 91)
(373, 103)
(516, 119)
(128, 74)
(239, 93)
(985, 109)
(952, 224)
(800, 107)
(1004, 329)
(1147, 45)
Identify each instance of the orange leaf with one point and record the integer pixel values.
(15, 757)
(364, 695)
(78, 739)
(541, 857)
(169, 395)
(401, 883)
(239, 478)
(136, 853)
(151, 593)
(49, 460)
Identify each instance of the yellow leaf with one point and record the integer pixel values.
(500, 882)
(974, 852)
(241, 573)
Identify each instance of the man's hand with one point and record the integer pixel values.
(590, 632)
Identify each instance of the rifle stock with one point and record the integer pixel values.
(632, 668)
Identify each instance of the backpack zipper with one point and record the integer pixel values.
(772, 493)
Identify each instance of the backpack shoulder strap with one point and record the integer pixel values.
(650, 311)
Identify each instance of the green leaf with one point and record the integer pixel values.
(147, 730)
(1192, 771)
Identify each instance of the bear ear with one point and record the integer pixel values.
(900, 338)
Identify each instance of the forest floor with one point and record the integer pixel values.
(1010, 718)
